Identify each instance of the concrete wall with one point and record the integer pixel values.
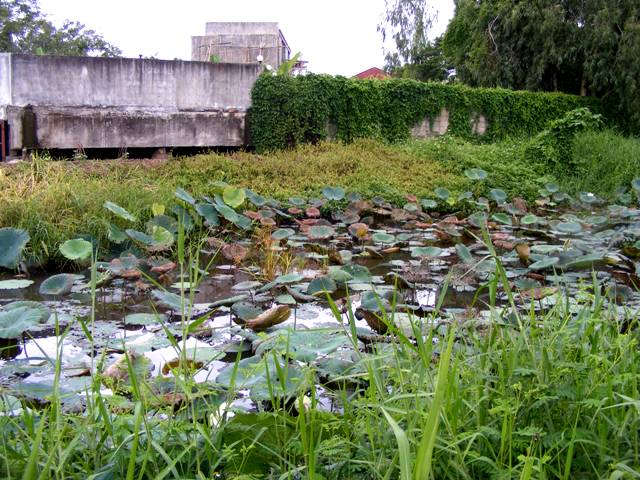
(126, 82)
(66, 102)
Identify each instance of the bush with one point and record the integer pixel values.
(553, 146)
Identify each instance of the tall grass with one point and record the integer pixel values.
(606, 161)
(551, 394)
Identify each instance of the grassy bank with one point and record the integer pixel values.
(55, 201)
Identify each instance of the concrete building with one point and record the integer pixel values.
(241, 42)
(49, 102)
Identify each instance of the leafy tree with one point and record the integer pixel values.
(583, 47)
(406, 23)
(25, 29)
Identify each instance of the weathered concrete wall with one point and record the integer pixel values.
(434, 127)
(127, 82)
(67, 102)
(244, 28)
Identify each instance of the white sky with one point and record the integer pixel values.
(335, 36)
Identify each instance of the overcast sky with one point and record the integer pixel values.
(335, 36)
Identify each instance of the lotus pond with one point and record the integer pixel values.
(243, 307)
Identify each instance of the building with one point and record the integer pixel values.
(241, 42)
(374, 72)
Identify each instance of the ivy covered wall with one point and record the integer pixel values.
(287, 111)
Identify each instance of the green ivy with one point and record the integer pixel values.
(287, 111)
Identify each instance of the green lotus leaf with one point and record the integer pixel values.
(320, 232)
(115, 233)
(119, 211)
(209, 213)
(59, 284)
(381, 237)
(12, 243)
(334, 193)
(425, 251)
(282, 233)
(442, 193)
(321, 285)
(498, 195)
(14, 322)
(15, 284)
(544, 263)
(143, 319)
(568, 227)
(234, 197)
(428, 204)
(501, 217)
(77, 249)
(475, 174)
(185, 196)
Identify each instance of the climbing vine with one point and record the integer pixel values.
(287, 111)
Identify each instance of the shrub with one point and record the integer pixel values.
(553, 146)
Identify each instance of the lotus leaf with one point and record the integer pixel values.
(358, 272)
(568, 227)
(498, 195)
(425, 251)
(282, 233)
(552, 187)
(333, 193)
(529, 220)
(302, 345)
(183, 216)
(410, 207)
(232, 196)
(477, 219)
(442, 193)
(12, 243)
(464, 254)
(15, 284)
(248, 285)
(321, 232)
(501, 217)
(164, 221)
(185, 196)
(77, 249)
(209, 213)
(119, 211)
(475, 174)
(544, 263)
(171, 300)
(60, 284)
(321, 286)
(265, 378)
(145, 319)
(245, 310)
(14, 322)
(257, 200)
(428, 204)
(115, 233)
(588, 197)
(381, 237)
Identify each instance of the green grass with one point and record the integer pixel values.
(606, 160)
(553, 395)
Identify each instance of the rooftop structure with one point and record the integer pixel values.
(241, 42)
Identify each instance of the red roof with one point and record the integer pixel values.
(373, 72)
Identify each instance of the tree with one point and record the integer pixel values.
(583, 47)
(25, 29)
(406, 23)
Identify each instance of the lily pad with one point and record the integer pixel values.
(501, 217)
(14, 322)
(475, 174)
(333, 193)
(77, 249)
(232, 196)
(321, 232)
(442, 193)
(428, 204)
(60, 284)
(568, 227)
(418, 252)
(185, 196)
(15, 284)
(498, 195)
(144, 319)
(544, 263)
(321, 286)
(209, 213)
(381, 237)
(12, 243)
(119, 211)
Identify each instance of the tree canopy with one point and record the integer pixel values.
(25, 29)
(406, 23)
(583, 47)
